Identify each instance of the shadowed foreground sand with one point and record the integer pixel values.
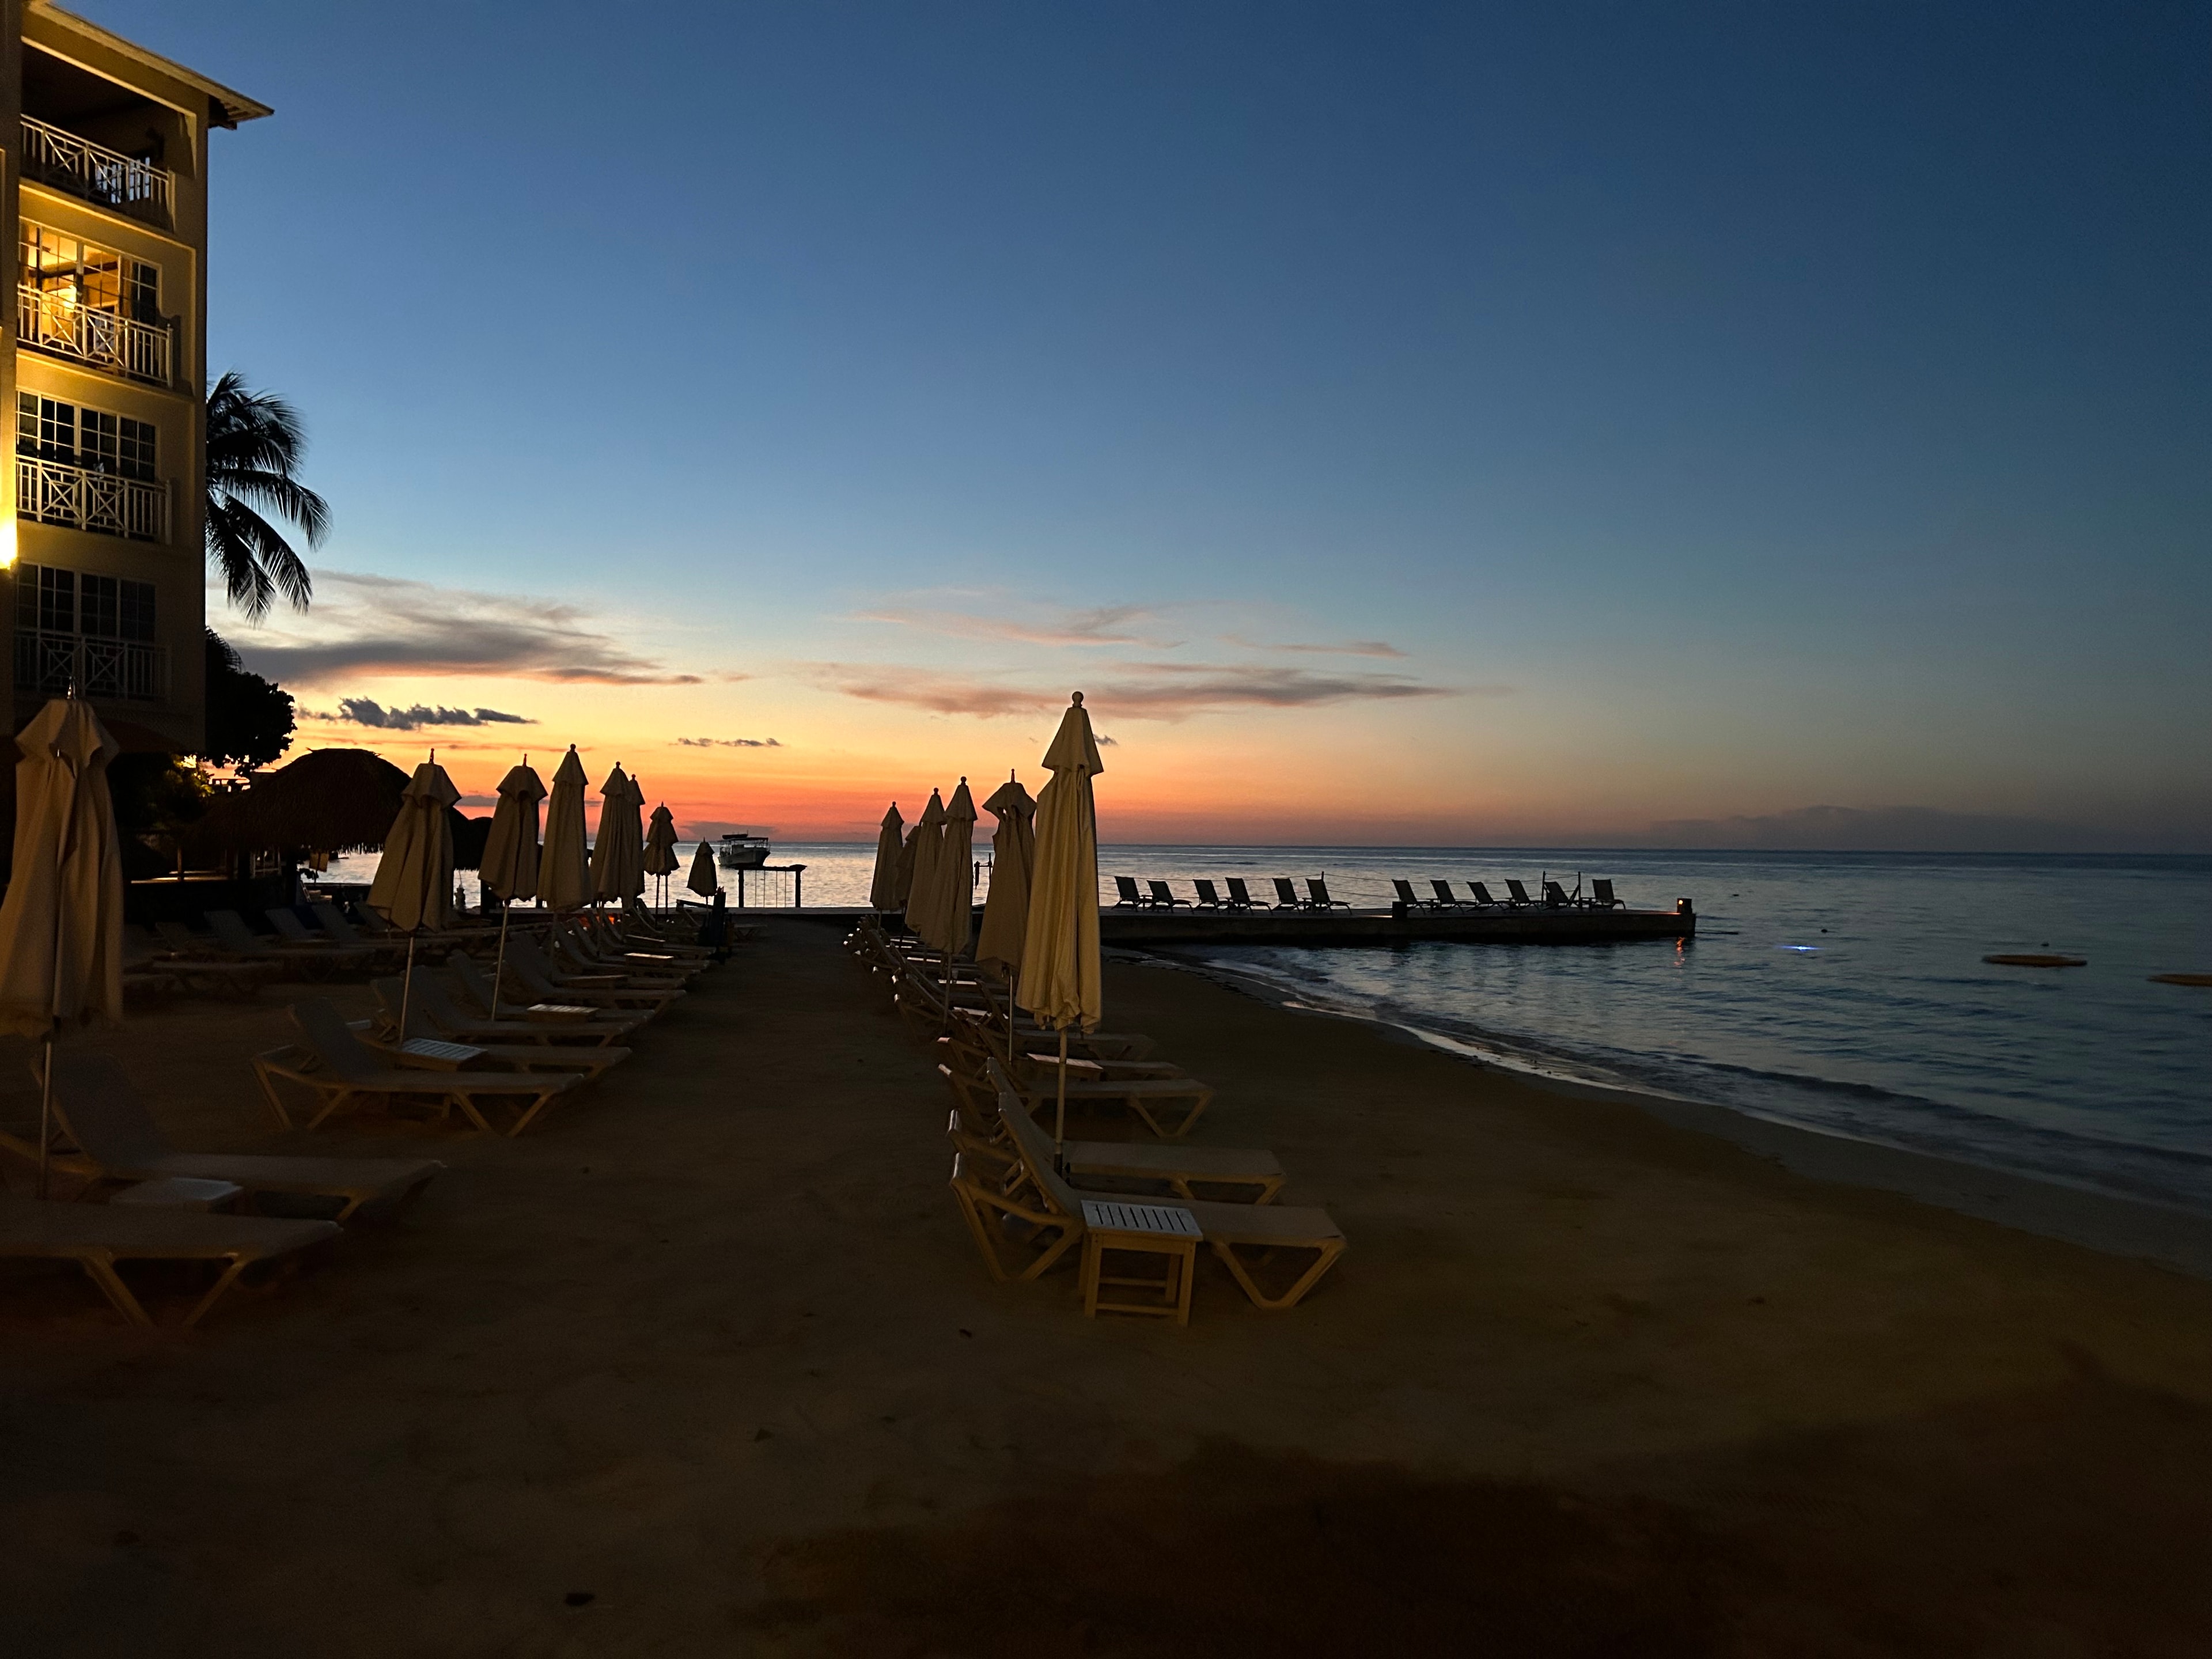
(707, 1365)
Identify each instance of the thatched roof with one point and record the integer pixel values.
(329, 800)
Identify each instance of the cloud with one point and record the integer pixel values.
(363, 624)
(366, 711)
(728, 743)
(1106, 624)
(1145, 691)
(1104, 742)
(1880, 829)
(1340, 649)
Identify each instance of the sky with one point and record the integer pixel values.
(1458, 425)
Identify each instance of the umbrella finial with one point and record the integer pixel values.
(1078, 696)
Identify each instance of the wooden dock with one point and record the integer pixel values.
(1534, 924)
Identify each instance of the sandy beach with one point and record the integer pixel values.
(707, 1364)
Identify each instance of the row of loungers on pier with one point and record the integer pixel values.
(1031, 1205)
(572, 989)
(1158, 896)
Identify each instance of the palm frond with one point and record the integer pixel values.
(255, 440)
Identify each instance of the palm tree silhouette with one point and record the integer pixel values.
(254, 442)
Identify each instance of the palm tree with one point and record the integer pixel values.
(254, 441)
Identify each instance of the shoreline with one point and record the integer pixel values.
(2136, 1229)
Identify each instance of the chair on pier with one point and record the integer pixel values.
(1164, 898)
(1240, 896)
(1601, 897)
(1126, 894)
(1519, 899)
(1482, 898)
(1406, 896)
(1208, 899)
(1287, 895)
(1321, 901)
(1446, 899)
(1555, 896)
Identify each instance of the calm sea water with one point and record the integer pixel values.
(1838, 992)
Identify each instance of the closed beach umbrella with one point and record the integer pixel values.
(1013, 854)
(61, 927)
(903, 881)
(510, 857)
(956, 907)
(703, 881)
(618, 854)
(883, 889)
(927, 845)
(1059, 982)
(564, 877)
(414, 884)
(660, 847)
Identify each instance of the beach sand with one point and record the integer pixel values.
(708, 1364)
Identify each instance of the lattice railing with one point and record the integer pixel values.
(53, 321)
(96, 172)
(54, 492)
(126, 670)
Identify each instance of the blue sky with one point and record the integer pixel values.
(1471, 423)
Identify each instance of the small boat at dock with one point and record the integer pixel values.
(742, 851)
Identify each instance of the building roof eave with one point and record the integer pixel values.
(226, 107)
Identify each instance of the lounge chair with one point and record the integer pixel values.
(1126, 894)
(1164, 898)
(101, 1112)
(1052, 1209)
(545, 983)
(454, 1023)
(1240, 896)
(1555, 896)
(1208, 897)
(97, 1236)
(1518, 899)
(347, 1072)
(1446, 899)
(1601, 897)
(425, 1041)
(571, 953)
(233, 938)
(198, 974)
(1482, 898)
(1321, 901)
(1287, 895)
(1140, 1169)
(290, 930)
(1167, 1100)
(613, 1023)
(1405, 892)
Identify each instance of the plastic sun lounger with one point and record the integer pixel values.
(545, 983)
(1321, 901)
(290, 930)
(592, 1061)
(1555, 895)
(1287, 895)
(963, 1049)
(1152, 1091)
(1240, 896)
(1601, 897)
(1406, 896)
(1126, 893)
(1164, 898)
(1519, 898)
(97, 1236)
(351, 1071)
(1251, 1176)
(98, 1109)
(1209, 898)
(198, 974)
(1482, 896)
(1446, 899)
(434, 1004)
(233, 936)
(1043, 1198)
(607, 1023)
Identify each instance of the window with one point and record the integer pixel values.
(66, 272)
(45, 598)
(52, 600)
(90, 437)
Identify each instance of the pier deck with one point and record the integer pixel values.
(1535, 925)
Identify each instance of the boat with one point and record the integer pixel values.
(742, 851)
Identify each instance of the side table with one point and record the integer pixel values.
(1154, 1229)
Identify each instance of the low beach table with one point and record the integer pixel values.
(1159, 1230)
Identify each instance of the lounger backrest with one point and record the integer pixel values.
(94, 1098)
(1238, 892)
(389, 992)
(1319, 889)
(332, 1038)
(472, 979)
(230, 929)
(1519, 893)
(1554, 894)
(1286, 892)
(288, 927)
(522, 953)
(1161, 893)
(1126, 888)
(1481, 893)
(1036, 1145)
(1444, 893)
(1602, 891)
(1206, 893)
(334, 922)
(1405, 890)
(177, 936)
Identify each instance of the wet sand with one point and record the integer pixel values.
(707, 1364)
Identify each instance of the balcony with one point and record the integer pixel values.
(105, 503)
(108, 177)
(52, 320)
(124, 671)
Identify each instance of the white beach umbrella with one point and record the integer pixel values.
(883, 888)
(618, 854)
(703, 880)
(564, 880)
(510, 859)
(414, 884)
(956, 877)
(61, 927)
(1060, 979)
(928, 844)
(1013, 854)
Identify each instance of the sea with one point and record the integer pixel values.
(1844, 992)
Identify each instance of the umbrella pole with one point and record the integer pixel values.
(45, 1108)
(1060, 1115)
(499, 970)
(406, 990)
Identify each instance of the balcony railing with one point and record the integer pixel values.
(96, 172)
(128, 671)
(54, 492)
(52, 320)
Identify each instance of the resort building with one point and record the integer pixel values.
(106, 164)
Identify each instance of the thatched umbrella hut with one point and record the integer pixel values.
(329, 800)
